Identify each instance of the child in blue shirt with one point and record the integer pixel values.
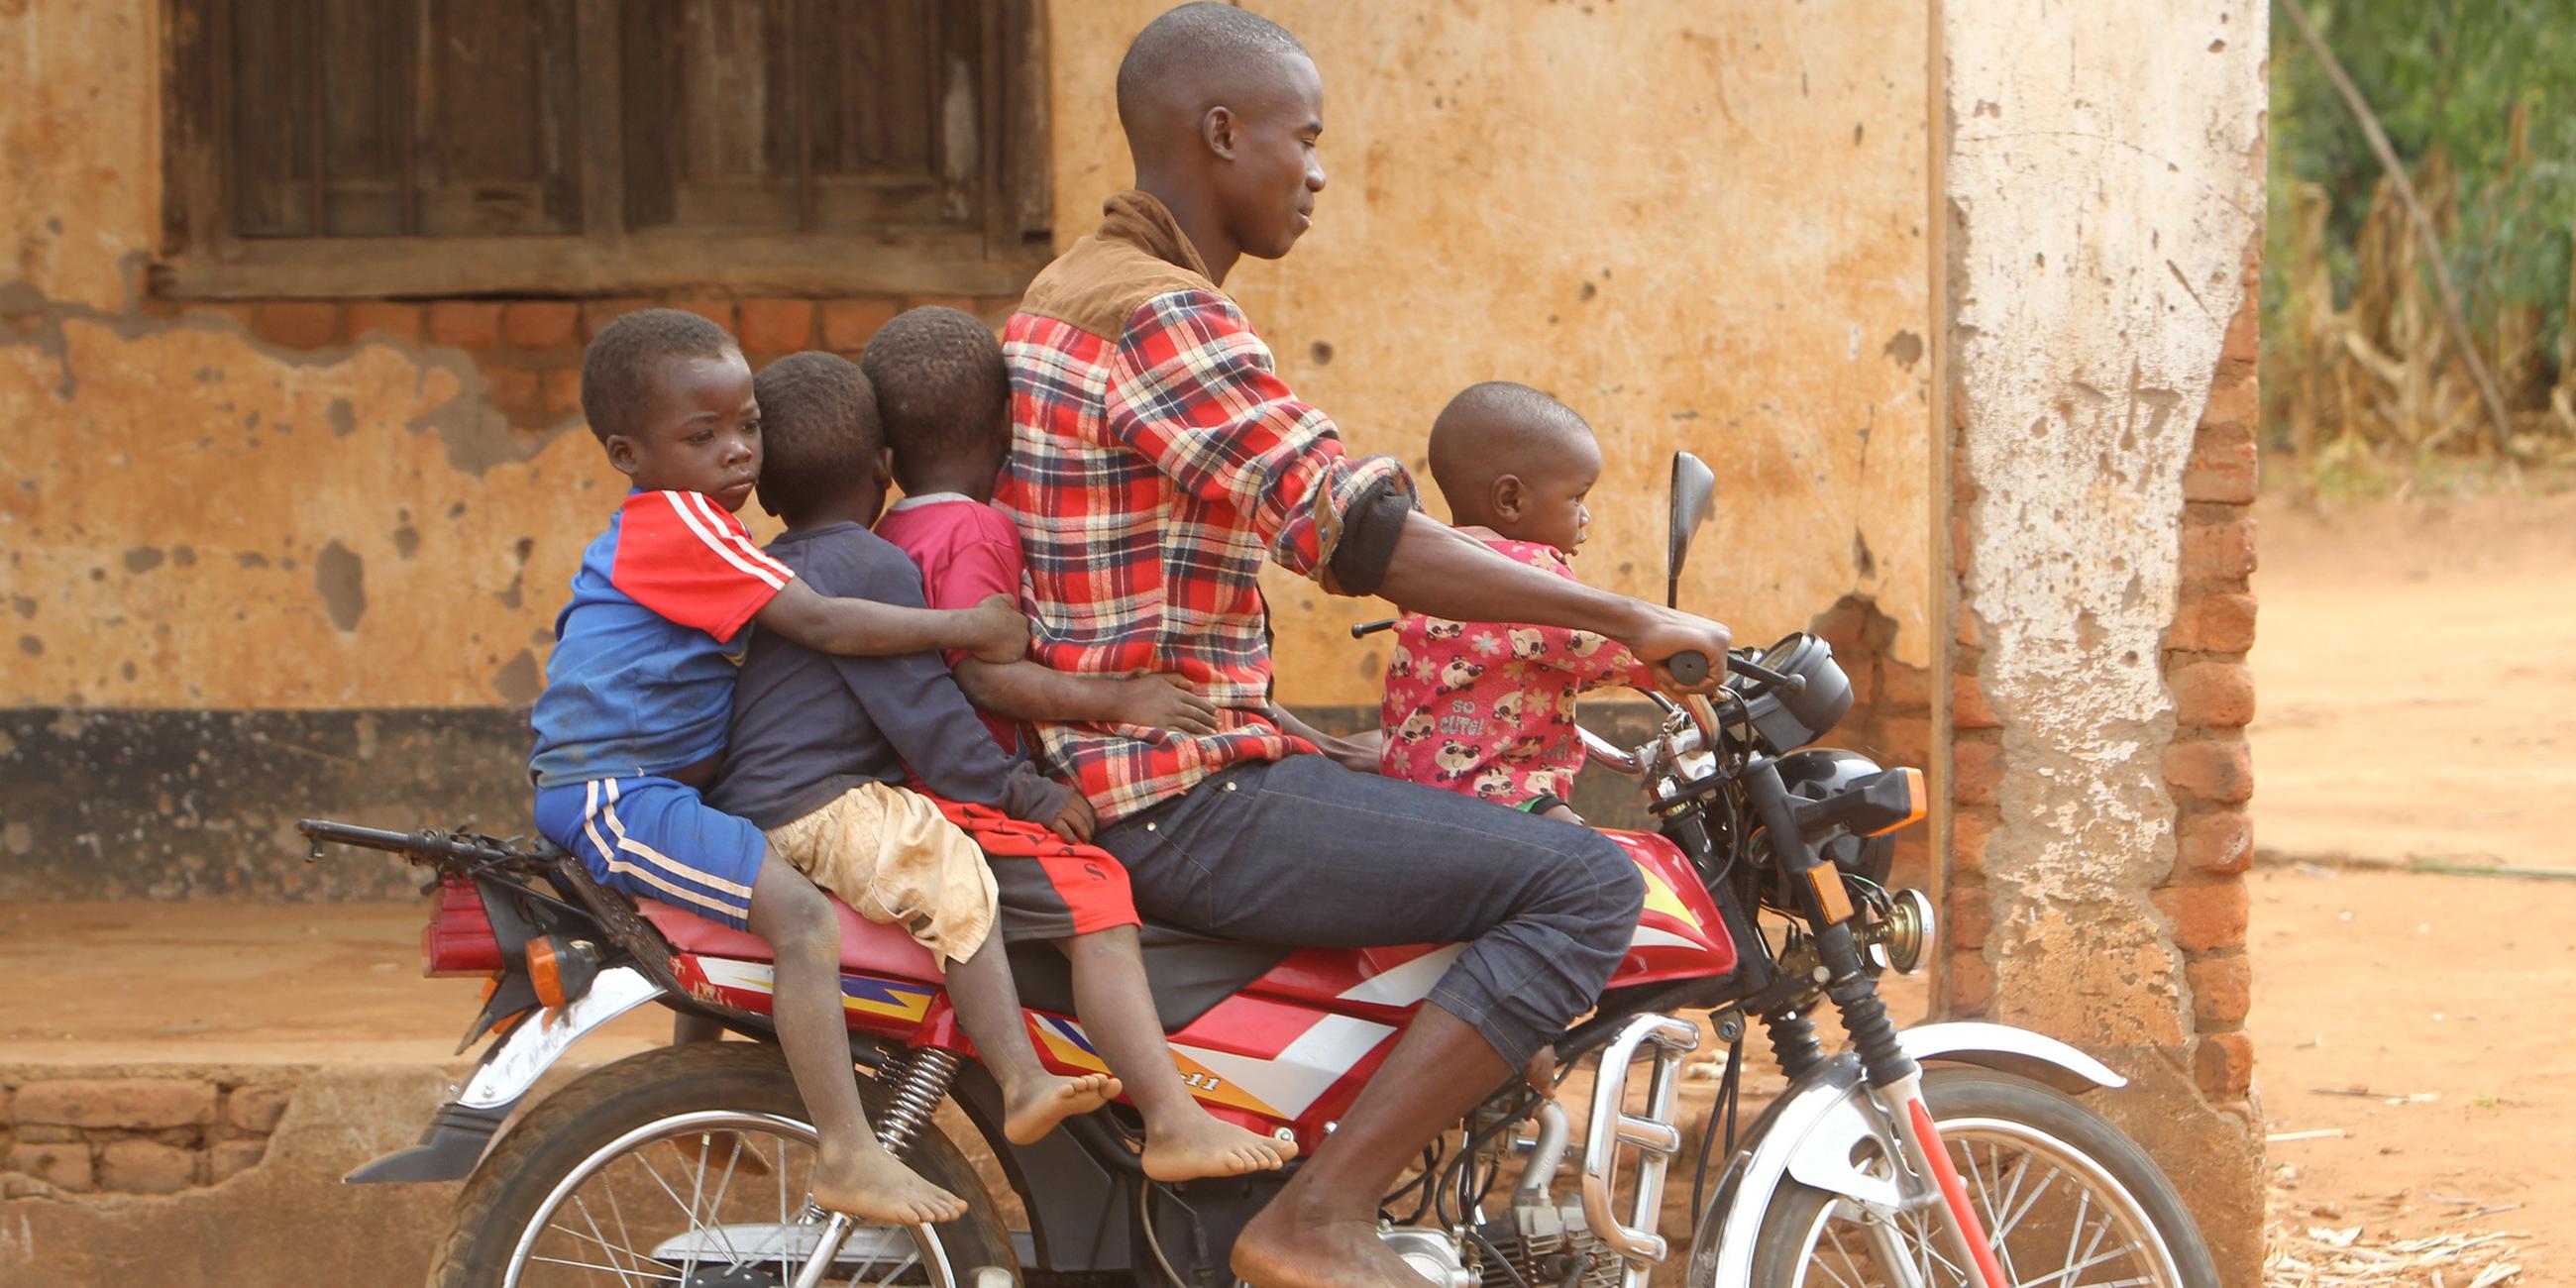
(640, 686)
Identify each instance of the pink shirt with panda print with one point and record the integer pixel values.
(1487, 710)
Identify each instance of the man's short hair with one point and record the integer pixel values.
(1490, 429)
(618, 369)
(941, 387)
(1200, 44)
(818, 430)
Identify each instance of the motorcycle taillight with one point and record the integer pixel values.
(458, 939)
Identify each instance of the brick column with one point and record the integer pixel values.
(2101, 191)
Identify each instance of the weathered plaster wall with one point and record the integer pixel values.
(276, 557)
(2103, 202)
(1700, 225)
(75, 208)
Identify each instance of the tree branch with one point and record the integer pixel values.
(2499, 428)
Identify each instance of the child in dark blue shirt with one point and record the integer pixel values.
(841, 758)
(640, 685)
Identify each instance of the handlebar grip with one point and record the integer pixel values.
(1690, 666)
(324, 830)
(1361, 630)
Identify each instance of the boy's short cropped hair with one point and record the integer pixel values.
(1489, 429)
(940, 384)
(818, 429)
(617, 369)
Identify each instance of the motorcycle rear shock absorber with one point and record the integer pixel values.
(917, 1084)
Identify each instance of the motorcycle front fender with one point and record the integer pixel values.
(455, 1139)
(1809, 1133)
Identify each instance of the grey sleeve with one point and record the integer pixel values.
(914, 701)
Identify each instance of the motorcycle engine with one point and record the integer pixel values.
(1548, 1245)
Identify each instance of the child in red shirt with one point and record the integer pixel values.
(943, 396)
(1487, 709)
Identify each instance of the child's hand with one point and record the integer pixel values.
(996, 631)
(1360, 753)
(1075, 821)
(1160, 701)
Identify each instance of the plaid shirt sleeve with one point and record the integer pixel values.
(1193, 389)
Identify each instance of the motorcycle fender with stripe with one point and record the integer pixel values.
(1808, 1135)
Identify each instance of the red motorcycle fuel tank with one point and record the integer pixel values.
(1679, 936)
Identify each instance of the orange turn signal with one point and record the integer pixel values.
(1917, 802)
(545, 971)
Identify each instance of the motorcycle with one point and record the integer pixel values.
(1948, 1155)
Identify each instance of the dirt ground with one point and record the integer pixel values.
(2416, 670)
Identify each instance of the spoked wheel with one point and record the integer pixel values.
(686, 1167)
(2067, 1202)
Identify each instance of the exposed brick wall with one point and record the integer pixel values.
(131, 1135)
(529, 350)
(1976, 774)
(2209, 768)
(1891, 715)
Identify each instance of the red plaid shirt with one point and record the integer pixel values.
(1153, 471)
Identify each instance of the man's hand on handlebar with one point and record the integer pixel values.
(1665, 633)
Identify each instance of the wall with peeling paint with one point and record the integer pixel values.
(1700, 225)
(2104, 208)
(235, 532)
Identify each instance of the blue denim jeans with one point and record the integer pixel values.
(1304, 852)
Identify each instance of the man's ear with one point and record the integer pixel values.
(1217, 129)
(622, 454)
(1509, 494)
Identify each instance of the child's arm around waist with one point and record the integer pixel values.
(993, 630)
(1030, 690)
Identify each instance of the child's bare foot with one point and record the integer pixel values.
(1030, 1112)
(868, 1183)
(1201, 1145)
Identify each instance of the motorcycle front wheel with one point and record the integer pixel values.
(2066, 1199)
(685, 1167)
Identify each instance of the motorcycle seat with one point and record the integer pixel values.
(866, 947)
(1188, 974)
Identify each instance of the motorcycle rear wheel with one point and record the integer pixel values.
(589, 1187)
(2065, 1197)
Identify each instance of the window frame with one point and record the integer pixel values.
(201, 259)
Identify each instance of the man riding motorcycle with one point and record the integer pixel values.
(1158, 460)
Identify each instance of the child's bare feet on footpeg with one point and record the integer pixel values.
(870, 1184)
(1029, 1112)
(1200, 1146)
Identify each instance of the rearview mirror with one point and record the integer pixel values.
(1694, 492)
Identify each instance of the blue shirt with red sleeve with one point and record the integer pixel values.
(641, 679)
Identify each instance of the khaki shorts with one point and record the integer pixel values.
(891, 855)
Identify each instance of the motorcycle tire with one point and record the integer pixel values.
(1962, 1095)
(506, 1190)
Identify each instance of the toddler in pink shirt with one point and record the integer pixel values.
(1487, 709)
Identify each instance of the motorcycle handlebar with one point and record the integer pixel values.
(425, 843)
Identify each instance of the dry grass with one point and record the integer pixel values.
(2306, 1246)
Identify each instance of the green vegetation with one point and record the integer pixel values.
(2478, 97)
